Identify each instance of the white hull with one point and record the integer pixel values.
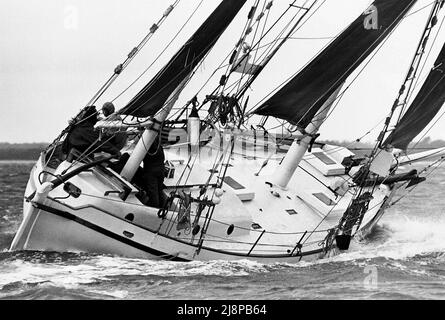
(93, 223)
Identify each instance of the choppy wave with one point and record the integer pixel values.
(401, 238)
(406, 252)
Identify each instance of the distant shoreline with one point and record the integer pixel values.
(31, 151)
(18, 161)
(21, 151)
(13, 154)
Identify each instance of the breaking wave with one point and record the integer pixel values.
(407, 249)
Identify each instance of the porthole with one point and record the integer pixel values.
(196, 229)
(128, 234)
(230, 229)
(256, 226)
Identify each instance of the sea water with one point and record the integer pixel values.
(404, 258)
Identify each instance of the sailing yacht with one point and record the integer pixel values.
(234, 190)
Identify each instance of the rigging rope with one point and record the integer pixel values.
(296, 73)
(354, 79)
(132, 54)
(359, 191)
(256, 44)
(412, 73)
(299, 24)
(118, 70)
(162, 52)
(439, 163)
(362, 70)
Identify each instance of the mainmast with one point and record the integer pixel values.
(306, 99)
(157, 98)
(227, 98)
(302, 97)
(149, 135)
(300, 146)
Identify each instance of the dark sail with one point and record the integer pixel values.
(300, 99)
(424, 108)
(153, 96)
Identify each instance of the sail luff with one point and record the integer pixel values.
(426, 105)
(154, 95)
(302, 97)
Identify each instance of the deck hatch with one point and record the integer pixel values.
(233, 183)
(324, 198)
(324, 158)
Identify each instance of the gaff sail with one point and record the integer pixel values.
(423, 109)
(301, 98)
(154, 95)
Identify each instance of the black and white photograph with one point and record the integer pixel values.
(226, 151)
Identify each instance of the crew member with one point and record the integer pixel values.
(120, 138)
(84, 137)
(153, 174)
(108, 111)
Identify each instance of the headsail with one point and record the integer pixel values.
(300, 99)
(424, 108)
(153, 96)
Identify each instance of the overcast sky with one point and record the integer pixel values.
(54, 55)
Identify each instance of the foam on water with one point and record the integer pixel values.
(105, 268)
(404, 237)
(398, 240)
(408, 247)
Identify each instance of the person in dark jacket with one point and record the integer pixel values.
(85, 138)
(108, 109)
(120, 138)
(153, 174)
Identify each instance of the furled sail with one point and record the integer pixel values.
(301, 98)
(154, 95)
(423, 109)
